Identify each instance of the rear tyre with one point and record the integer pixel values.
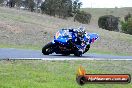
(48, 49)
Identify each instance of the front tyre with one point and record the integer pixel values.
(48, 49)
(66, 54)
(78, 53)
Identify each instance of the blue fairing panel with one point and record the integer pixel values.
(61, 40)
(93, 37)
(62, 36)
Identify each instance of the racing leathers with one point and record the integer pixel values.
(80, 42)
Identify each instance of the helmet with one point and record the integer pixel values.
(80, 31)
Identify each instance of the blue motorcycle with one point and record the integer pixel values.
(64, 43)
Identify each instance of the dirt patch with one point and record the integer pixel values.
(11, 28)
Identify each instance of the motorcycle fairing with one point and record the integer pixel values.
(93, 37)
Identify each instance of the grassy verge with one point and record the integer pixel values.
(33, 47)
(57, 74)
(97, 51)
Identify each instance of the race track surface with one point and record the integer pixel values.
(12, 53)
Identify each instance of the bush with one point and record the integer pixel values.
(108, 22)
(1, 1)
(30, 4)
(126, 18)
(127, 26)
(82, 17)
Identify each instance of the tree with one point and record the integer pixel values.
(127, 26)
(47, 7)
(76, 6)
(37, 4)
(61, 8)
(1, 1)
(65, 8)
(12, 3)
(30, 5)
(18, 3)
(127, 16)
(82, 17)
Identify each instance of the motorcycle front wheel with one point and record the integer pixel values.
(78, 53)
(48, 49)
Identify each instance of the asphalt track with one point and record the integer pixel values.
(12, 53)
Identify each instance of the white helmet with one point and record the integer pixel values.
(80, 31)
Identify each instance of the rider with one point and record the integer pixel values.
(79, 35)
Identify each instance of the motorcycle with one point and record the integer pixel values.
(64, 43)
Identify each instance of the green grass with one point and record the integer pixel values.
(57, 74)
(32, 47)
(97, 51)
